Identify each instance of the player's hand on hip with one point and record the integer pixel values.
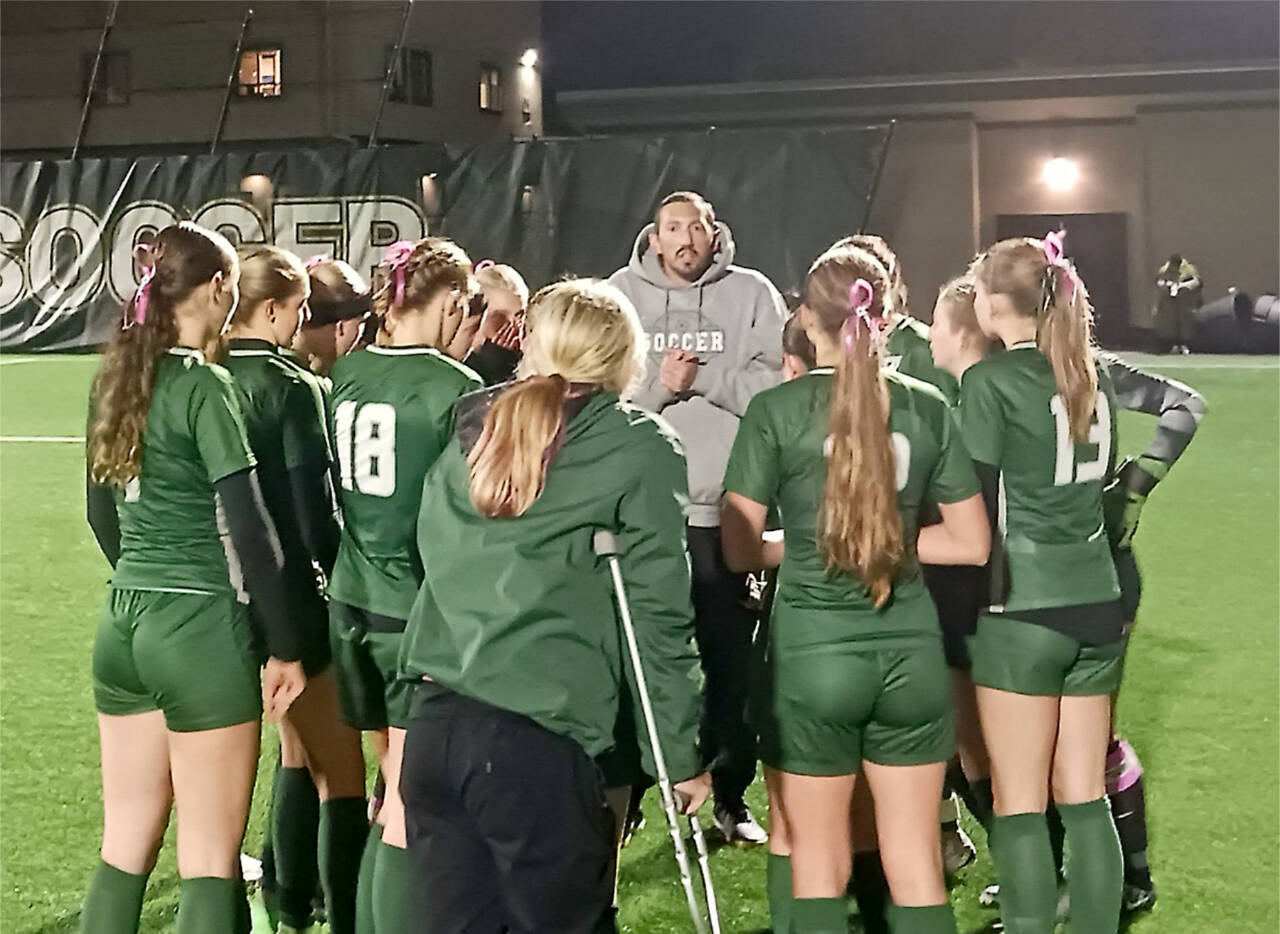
(282, 682)
(692, 793)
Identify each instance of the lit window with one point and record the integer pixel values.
(111, 86)
(490, 89)
(411, 77)
(260, 73)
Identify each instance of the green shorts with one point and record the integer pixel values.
(1027, 658)
(192, 656)
(366, 659)
(834, 706)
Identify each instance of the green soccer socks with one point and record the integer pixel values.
(1095, 878)
(1024, 865)
(113, 903)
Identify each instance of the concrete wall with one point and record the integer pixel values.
(927, 204)
(1212, 186)
(332, 69)
(1205, 183)
(1109, 154)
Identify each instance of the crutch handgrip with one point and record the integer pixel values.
(605, 545)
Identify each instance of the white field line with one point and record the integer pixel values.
(39, 439)
(9, 360)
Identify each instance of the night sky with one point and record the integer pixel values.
(625, 43)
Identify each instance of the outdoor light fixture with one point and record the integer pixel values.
(1060, 174)
(529, 58)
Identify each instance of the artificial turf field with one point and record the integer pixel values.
(1200, 701)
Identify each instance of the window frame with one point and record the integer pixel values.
(408, 86)
(245, 91)
(487, 69)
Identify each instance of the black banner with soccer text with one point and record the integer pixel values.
(547, 207)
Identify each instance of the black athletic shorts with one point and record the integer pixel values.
(958, 592)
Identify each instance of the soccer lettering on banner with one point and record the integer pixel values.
(366, 447)
(62, 259)
(1065, 469)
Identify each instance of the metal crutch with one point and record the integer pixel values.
(607, 547)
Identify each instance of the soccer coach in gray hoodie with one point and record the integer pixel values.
(714, 333)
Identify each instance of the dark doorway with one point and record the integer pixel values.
(1099, 246)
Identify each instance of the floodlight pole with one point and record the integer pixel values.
(875, 179)
(386, 77)
(231, 81)
(93, 76)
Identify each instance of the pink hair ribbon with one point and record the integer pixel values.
(397, 257)
(861, 297)
(1055, 255)
(483, 264)
(315, 260)
(145, 257)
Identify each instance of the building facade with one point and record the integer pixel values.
(308, 73)
(1147, 160)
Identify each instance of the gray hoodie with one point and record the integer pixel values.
(731, 318)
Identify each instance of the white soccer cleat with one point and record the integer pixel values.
(250, 868)
(739, 828)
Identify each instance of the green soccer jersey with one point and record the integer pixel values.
(907, 351)
(520, 612)
(779, 459)
(169, 531)
(393, 410)
(1055, 550)
(285, 425)
(321, 388)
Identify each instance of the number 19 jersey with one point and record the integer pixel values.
(1056, 552)
(393, 411)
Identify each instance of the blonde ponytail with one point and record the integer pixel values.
(859, 526)
(509, 462)
(1041, 284)
(1065, 336)
(579, 331)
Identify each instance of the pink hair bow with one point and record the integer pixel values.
(861, 297)
(397, 257)
(142, 298)
(315, 260)
(1055, 254)
(483, 264)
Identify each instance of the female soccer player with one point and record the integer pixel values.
(907, 343)
(494, 350)
(958, 343)
(176, 659)
(848, 453)
(339, 307)
(392, 416)
(1039, 423)
(514, 639)
(288, 436)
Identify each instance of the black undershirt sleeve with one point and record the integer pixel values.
(995, 582)
(100, 508)
(316, 511)
(257, 545)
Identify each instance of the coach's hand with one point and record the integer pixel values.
(282, 682)
(692, 793)
(678, 370)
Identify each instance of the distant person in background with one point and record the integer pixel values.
(714, 333)
(1179, 295)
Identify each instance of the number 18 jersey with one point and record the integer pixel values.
(393, 410)
(1055, 548)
